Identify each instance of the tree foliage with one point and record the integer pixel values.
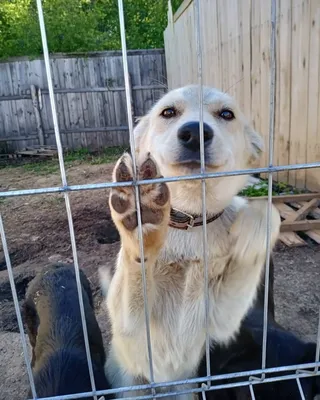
(80, 25)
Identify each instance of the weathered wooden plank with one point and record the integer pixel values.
(291, 239)
(256, 66)
(304, 211)
(299, 88)
(288, 238)
(314, 235)
(313, 134)
(90, 102)
(288, 198)
(282, 139)
(36, 110)
(291, 215)
(301, 226)
(314, 213)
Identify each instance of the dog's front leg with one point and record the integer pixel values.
(125, 298)
(236, 288)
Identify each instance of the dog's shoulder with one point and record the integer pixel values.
(52, 310)
(66, 372)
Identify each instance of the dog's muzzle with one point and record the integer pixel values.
(189, 139)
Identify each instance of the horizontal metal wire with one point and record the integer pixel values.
(192, 390)
(234, 375)
(108, 185)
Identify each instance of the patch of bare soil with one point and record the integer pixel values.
(37, 233)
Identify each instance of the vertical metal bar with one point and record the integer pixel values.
(66, 196)
(132, 146)
(203, 182)
(203, 393)
(79, 288)
(17, 308)
(300, 389)
(271, 149)
(51, 92)
(318, 345)
(253, 397)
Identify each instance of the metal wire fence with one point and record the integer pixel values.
(206, 383)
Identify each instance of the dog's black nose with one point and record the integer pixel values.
(189, 135)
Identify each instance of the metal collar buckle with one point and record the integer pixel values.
(191, 222)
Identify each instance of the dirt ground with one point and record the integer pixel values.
(37, 233)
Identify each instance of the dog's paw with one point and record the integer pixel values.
(249, 232)
(154, 198)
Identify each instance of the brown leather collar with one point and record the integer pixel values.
(181, 220)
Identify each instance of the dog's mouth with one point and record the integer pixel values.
(192, 161)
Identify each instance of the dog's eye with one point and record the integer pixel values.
(169, 112)
(226, 115)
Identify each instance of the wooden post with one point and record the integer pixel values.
(131, 95)
(36, 109)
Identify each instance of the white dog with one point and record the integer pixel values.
(168, 144)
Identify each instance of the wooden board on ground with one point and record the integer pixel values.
(288, 198)
(43, 151)
(291, 239)
(296, 211)
(315, 213)
(294, 222)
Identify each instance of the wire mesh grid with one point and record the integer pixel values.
(206, 383)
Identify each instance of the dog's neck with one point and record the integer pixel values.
(187, 245)
(187, 197)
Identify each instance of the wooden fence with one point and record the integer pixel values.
(236, 55)
(89, 94)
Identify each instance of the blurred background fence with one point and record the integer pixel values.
(89, 94)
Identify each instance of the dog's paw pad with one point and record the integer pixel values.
(119, 203)
(130, 222)
(123, 170)
(148, 169)
(151, 216)
(154, 197)
(163, 195)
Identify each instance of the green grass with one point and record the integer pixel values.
(42, 168)
(72, 158)
(108, 155)
(255, 191)
(261, 189)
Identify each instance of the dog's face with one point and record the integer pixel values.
(171, 133)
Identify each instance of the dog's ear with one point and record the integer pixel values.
(255, 142)
(140, 130)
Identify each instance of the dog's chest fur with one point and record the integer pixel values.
(177, 319)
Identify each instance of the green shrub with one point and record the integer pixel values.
(80, 25)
